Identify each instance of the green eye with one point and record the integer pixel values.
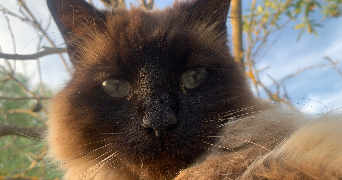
(116, 87)
(193, 77)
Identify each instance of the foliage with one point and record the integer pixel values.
(21, 155)
(265, 19)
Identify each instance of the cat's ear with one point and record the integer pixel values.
(213, 12)
(75, 18)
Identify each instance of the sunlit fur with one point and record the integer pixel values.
(223, 132)
(313, 151)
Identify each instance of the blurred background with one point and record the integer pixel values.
(291, 51)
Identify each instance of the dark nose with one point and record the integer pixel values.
(157, 112)
(159, 122)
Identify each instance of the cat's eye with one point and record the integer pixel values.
(116, 87)
(194, 77)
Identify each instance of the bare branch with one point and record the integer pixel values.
(277, 85)
(33, 56)
(39, 27)
(236, 22)
(19, 178)
(13, 42)
(38, 61)
(6, 11)
(22, 85)
(6, 130)
(23, 98)
(334, 65)
(304, 69)
(23, 111)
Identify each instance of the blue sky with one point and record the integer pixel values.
(286, 56)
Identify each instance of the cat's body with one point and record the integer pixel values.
(156, 95)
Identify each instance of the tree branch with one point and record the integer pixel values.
(39, 27)
(236, 22)
(6, 11)
(33, 56)
(6, 130)
(22, 98)
(304, 69)
(18, 178)
(334, 65)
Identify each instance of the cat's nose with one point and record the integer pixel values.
(157, 112)
(159, 124)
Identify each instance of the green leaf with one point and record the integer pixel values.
(260, 9)
(299, 26)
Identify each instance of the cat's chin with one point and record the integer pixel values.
(162, 158)
(165, 166)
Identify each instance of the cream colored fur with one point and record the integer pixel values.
(313, 152)
(275, 144)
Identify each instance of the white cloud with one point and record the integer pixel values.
(322, 103)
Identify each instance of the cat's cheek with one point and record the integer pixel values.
(62, 138)
(70, 127)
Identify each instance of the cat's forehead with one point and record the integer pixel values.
(136, 38)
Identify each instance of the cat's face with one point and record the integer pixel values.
(150, 89)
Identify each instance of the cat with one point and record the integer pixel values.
(157, 95)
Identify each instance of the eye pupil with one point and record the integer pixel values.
(116, 87)
(116, 84)
(194, 77)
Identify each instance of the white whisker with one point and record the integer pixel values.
(99, 163)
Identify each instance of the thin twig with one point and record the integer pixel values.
(33, 56)
(13, 43)
(7, 11)
(304, 69)
(39, 27)
(23, 98)
(24, 111)
(334, 65)
(6, 130)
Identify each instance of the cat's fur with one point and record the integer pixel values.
(161, 129)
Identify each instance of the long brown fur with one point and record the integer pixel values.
(222, 130)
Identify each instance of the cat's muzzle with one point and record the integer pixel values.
(159, 125)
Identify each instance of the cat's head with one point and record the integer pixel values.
(150, 88)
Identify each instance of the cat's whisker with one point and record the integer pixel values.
(100, 164)
(230, 113)
(110, 165)
(80, 156)
(215, 136)
(259, 145)
(95, 159)
(99, 141)
(53, 173)
(231, 120)
(111, 134)
(273, 138)
(99, 169)
(83, 155)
